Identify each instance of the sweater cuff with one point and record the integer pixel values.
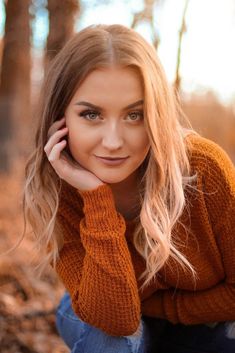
(99, 207)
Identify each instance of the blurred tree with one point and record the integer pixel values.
(147, 15)
(61, 25)
(182, 30)
(15, 76)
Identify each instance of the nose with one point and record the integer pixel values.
(112, 137)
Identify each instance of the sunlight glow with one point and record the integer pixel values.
(208, 50)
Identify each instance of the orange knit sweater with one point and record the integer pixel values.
(100, 267)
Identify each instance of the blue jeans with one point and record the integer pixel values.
(156, 336)
(81, 337)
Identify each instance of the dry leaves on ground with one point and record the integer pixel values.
(27, 305)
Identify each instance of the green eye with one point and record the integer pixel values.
(89, 114)
(135, 116)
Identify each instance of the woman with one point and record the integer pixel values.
(134, 211)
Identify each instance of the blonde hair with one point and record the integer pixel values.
(167, 169)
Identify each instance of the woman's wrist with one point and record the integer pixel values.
(99, 207)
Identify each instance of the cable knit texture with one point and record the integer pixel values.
(100, 267)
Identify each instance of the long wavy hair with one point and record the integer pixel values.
(167, 168)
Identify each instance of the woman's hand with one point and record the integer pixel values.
(66, 168)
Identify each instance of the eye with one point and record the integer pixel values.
(136, 116)
(90, 114)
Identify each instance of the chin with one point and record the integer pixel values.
(111, 179)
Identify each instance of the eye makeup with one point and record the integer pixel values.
(92, 115)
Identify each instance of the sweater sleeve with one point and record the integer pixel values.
(96, 268)
(216, 303)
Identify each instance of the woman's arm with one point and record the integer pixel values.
(188, 307)
(95, 265)
(218, 302)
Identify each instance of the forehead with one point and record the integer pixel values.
(113, 79)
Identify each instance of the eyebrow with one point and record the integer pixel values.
(87, 104)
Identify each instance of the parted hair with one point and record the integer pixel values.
(166, 169)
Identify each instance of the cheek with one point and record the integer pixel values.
(78, 142)
(80, 137)
(141, 142)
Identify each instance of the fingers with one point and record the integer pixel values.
(55, 126)
(54, 146)
(55, 152)
(55, 139)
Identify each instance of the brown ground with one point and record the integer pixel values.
(27, 305)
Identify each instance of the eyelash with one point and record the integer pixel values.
(87, 112)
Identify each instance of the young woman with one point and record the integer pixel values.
(135, 212)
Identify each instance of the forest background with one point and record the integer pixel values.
(27, 305)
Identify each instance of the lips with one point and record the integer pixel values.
(110, 161)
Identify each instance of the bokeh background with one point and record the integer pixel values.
(195, 42)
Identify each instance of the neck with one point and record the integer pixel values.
(126, 196)
(130, 184)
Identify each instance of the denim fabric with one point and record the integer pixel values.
(81, 337)
(154, 336)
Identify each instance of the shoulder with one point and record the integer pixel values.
(206, 156)
(214, 170)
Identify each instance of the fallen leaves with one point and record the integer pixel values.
(27, 304)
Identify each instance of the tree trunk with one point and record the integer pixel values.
(15, 77)
(182, 30)
(147, 15)
(61, 25)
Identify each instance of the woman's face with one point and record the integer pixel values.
(105, 120)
